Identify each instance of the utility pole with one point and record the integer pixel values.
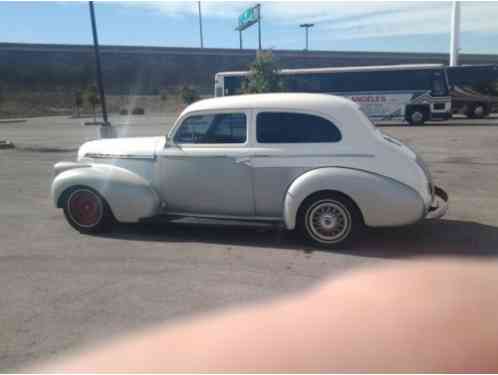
(259, 25)
(306, 26)
(200, 24)
(455, 34)
(98, 67)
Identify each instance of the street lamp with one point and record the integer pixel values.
(307, 26)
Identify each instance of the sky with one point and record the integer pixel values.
(340, 26)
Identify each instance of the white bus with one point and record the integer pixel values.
(415, 93)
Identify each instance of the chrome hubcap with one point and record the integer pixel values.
(328, 221)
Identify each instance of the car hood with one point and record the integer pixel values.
(133, 148)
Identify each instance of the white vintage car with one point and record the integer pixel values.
(312, 162)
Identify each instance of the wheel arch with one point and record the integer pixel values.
(129, 197)
(380, 200)
(329, 192)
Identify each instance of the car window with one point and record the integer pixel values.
(282, 127)
(213, 128)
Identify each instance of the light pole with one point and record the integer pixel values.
(200, 24)
(107, 132)
(307, 26)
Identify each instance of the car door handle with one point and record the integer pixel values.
(243, 160)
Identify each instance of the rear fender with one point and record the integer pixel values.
(382, 201)
(129, 196)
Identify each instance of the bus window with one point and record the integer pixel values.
(233, 85)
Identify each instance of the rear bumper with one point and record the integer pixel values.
(439, 205)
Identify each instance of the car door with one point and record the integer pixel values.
(204, 170)
(287, 144)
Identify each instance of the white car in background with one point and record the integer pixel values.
(313, 162)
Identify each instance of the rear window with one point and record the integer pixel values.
(287, 127)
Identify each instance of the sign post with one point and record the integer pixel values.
(259, 25)
(248, 18)
(97, 61)
(307, 26)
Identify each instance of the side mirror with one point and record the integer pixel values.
(168, 142)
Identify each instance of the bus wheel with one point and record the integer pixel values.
(416, 116)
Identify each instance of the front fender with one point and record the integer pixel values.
(129, 196)
(381, 200)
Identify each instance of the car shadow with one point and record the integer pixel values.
(429, 237)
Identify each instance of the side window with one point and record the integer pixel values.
(286, 127)
(215, 128)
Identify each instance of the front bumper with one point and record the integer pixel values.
(439, 205)
(440, 116)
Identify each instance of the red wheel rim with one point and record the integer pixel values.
(85, 208)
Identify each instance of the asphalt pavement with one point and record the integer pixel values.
(61, 289)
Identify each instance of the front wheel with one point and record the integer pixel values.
(416, 117)
(86, 211)
(329, 219)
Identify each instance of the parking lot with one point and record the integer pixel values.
(61, 289)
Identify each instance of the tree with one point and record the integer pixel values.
(263, 76)
(78, 102)
(93, 99)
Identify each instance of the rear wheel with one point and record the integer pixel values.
(477, 111)
(329, 219)
(86, 211)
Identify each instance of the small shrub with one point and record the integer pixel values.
(78, 102)
(92, 98)
(263, 75)
(188, 94)
(138, 111)
(123, 112)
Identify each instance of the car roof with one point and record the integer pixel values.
(341, 69)
(292, 101)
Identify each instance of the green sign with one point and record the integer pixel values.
(248, 18)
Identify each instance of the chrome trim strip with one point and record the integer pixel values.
(117, 156)
(316, 156)
(271, 156)
(177, 157)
